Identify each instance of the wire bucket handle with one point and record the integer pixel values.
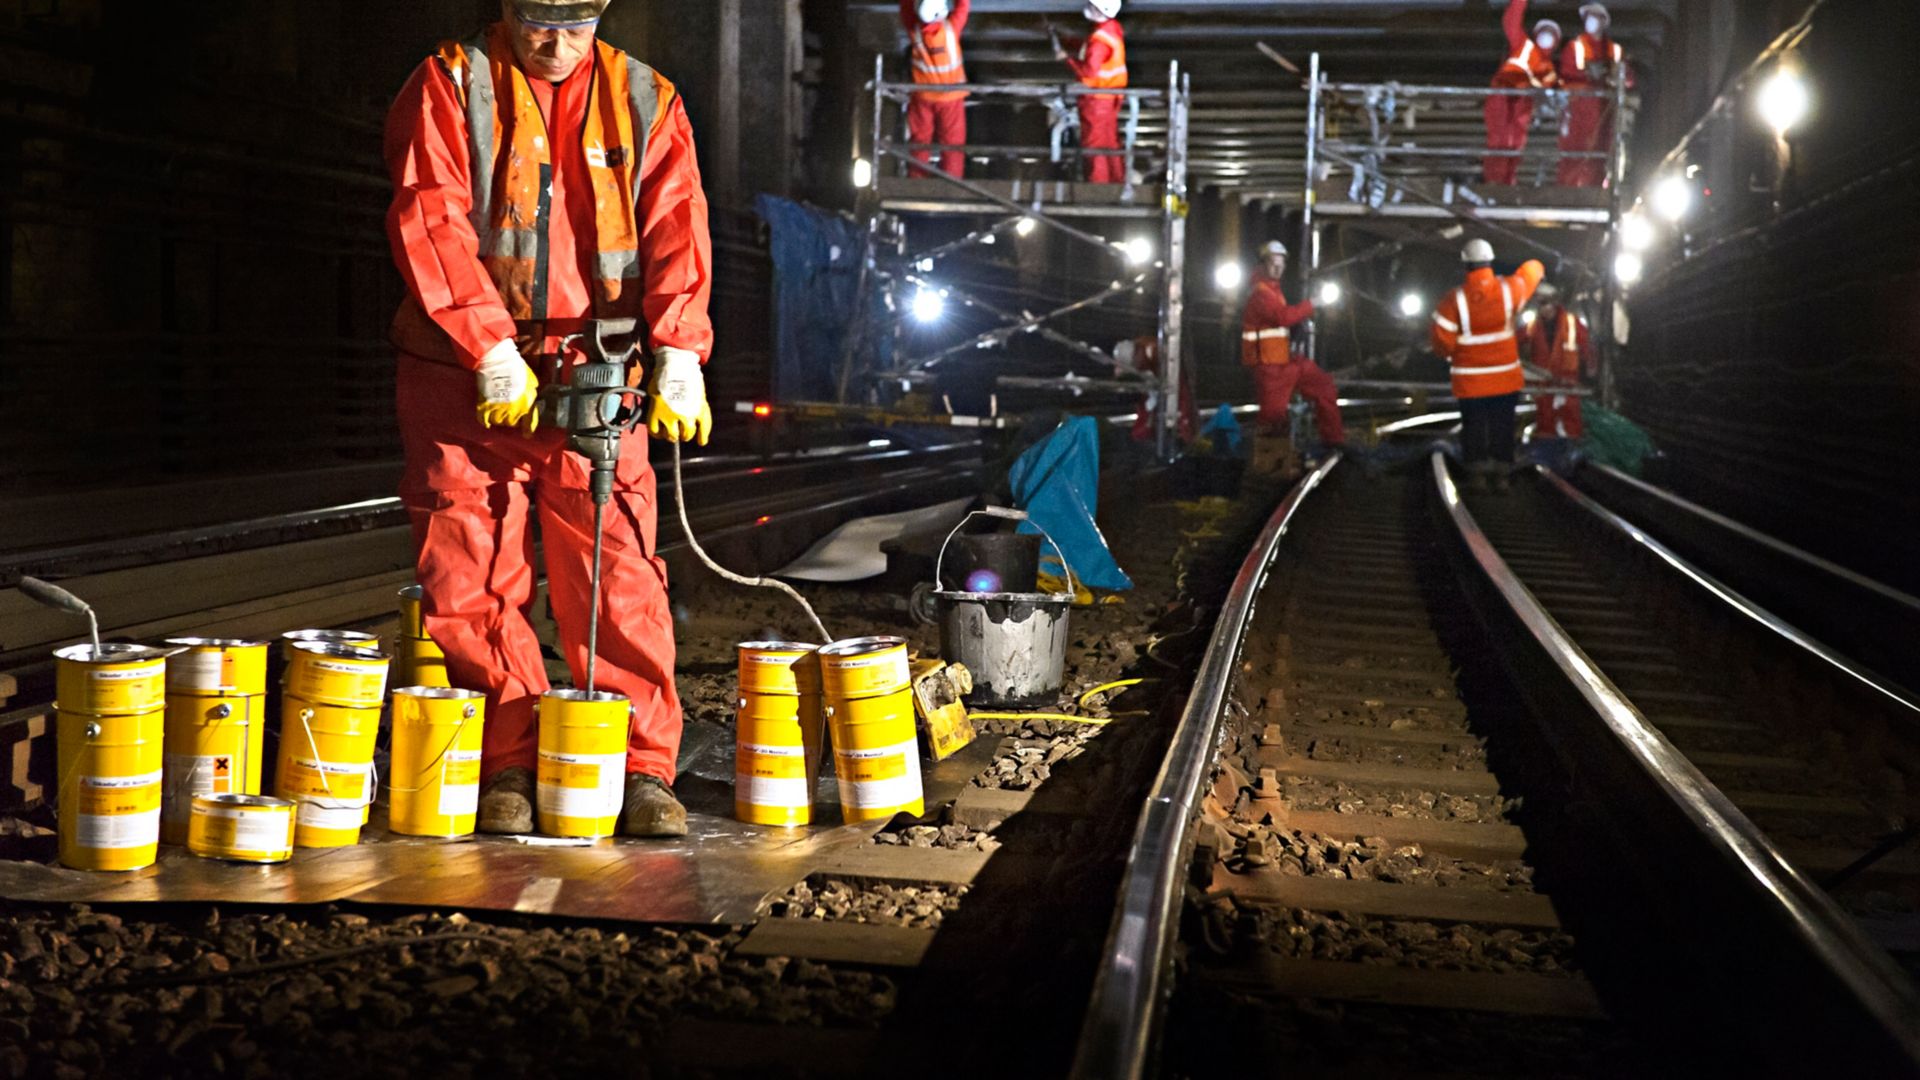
(1006, 513)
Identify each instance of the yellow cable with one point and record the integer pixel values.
(1096, 720)
(1117, 684)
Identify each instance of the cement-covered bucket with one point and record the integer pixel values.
(1014, 643)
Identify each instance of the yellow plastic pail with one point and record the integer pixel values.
(108, 794)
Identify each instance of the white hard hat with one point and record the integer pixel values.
(560, 13)
(1549, 26)
(1101, 10)
(934, 10)
(1476, 251)
(1546, 293)
(1272, 248)
(1596, 11)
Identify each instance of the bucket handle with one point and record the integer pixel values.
(1007, 513)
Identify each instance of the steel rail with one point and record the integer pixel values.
(1796, 957)
(1123, 1016)
(1737, 601)
(1869, 621)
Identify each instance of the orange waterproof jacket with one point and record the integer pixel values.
(1473, 328)
(1527, 63)
(937, 57)
(1560, 342)
(1102, 61)
(1266, 325)
(484, 199)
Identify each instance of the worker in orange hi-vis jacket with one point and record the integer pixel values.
(1473, 328)
(1593, 61)
(1560, 343)
(1529, 66)
(1266, 349)
(937, 116)
(543, 178)
(1100, 61)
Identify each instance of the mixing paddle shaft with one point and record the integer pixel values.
(595, 404)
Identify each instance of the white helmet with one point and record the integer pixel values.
(1102, 10)
(933, 11)
(1272, 248)
(1476, 251)
(1123, 353)
(1592, 13)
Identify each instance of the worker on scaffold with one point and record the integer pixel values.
(1473, 328)
(1142, 354)
(543, 178)
(1594, 61)
(1529, 66)
(1100, 61)
(1267, 349)
(937, 116)
(1559, 342)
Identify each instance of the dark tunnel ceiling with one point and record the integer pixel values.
(1248, 111)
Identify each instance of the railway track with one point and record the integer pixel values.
(1505, 800)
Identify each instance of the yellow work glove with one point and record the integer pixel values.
(677, 408)
(508, 389)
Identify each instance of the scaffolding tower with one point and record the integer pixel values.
(1154, 134)
(1408, 153)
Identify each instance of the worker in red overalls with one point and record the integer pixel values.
(1594, 61)
(1266, 348)
(543, 178)
(1529, 66)
(1143, 354)
(1100, 61)
(1560, 343)
(1473, 328)
(937, 116)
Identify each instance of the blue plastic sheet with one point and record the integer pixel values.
(1223, 430)
(1057, 482)
(816, 277)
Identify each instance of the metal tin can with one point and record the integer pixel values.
(864, 667)
(241, 828)
(216, 667)
(108, 793)
(333, 674)
(433, 778)
(876, 756)
(779, 667)
(583, 762)
(110, 680)
(213, 747)
(325, 767)
(411, 623)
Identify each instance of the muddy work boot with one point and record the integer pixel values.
(650, 809)
(506, 803)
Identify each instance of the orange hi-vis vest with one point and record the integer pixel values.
(1528, 66)
(1585, 47)
(1112, 74)
(1473, 327)
(937, 61)
(512, 167)
(1565, 361)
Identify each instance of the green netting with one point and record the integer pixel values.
(1614, 440)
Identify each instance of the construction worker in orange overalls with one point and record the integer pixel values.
(1594, 61)
(1143, 354)
(1559, 342)
(1473, 328)
(543, 178)
(937, 116)
(1529, 66)
(1266, 348)
(1100, 61)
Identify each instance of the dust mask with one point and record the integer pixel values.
(1545, 41)
(1594, 26)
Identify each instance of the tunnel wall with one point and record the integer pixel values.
(1774, 350)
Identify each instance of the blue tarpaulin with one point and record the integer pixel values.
(1057, 482)
(1223, 430)
(816, 278)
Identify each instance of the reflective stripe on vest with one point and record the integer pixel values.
(511, 213)
(1280, 332)
(1571, 344)
(1524, 61)
(1468, 337)
(1493, 370)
